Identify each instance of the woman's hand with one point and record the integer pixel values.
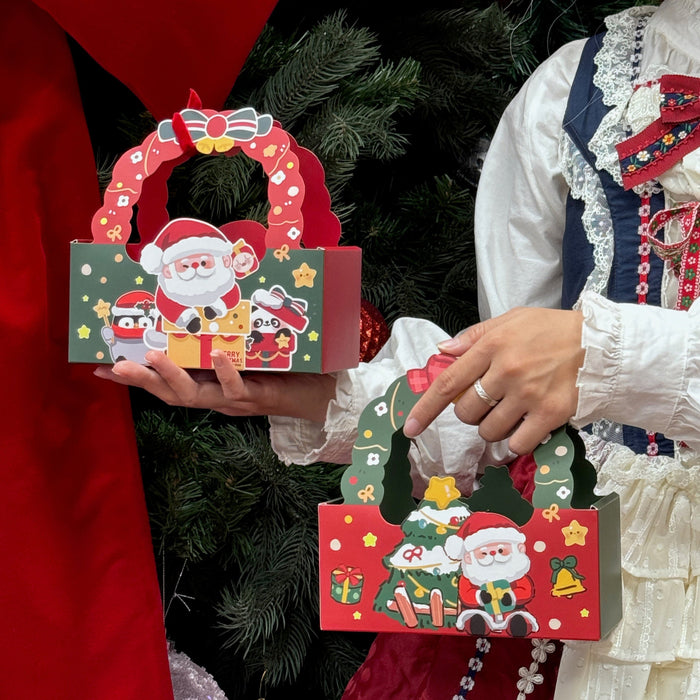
(225, 389)
(527, 361)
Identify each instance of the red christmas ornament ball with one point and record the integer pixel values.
(374, 331)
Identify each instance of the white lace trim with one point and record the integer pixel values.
(584, 184)
(622, 466)
(614, 77)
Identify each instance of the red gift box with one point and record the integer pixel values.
(492, 564)
(290, 291)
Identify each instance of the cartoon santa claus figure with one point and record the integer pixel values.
(197, 266)
(494, 586)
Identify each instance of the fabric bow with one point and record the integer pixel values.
(683, 255)
(669, 138)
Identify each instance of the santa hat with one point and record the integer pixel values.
(290, 311)
(482, 528)
(182, 237)
(135, 303)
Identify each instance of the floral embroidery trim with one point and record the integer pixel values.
(476, 663)
(684, 255)
(530, 677)
(643, 286)
(667, 139)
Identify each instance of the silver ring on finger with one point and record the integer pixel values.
(483, 394)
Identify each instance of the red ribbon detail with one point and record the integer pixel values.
(415, 553)
(352, 574)
(420, 379)
(684, 255)
(665, 141)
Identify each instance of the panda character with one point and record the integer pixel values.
(275, 320)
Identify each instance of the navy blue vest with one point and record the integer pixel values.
(584, 112)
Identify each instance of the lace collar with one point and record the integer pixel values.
(616, 72)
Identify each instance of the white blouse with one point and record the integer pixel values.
(642, 364)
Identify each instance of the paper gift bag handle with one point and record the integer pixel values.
(299, 200)
(380, 472)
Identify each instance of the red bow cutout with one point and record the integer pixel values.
(352, 574)
(420, 379)
(668, 139)
(684, 255)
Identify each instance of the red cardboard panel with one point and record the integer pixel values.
(285, 297)
(491, 564)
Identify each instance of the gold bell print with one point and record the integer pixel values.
(566, 581)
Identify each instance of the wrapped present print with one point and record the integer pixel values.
(285, 297)
(491, 564)
(346, 584)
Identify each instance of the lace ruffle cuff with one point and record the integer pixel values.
(634, 370)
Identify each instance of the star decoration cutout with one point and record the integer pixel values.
(585, 612)
(83, 332)
(304, 276)
(370, 540)
(282, 341)
(357, 615)
(442, 490)
(102, 308)
(86, 297)
(262, 279)
(307, 358)
(313, 336)
(139, 280)
(574, 533)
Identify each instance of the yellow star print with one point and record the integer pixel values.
(83, 332)
(282, 341)
(370, 540)
(313, 336)
(574, 533)
(585, 612)
(304, 276)
(357, 615)
(442, 490)
(102, 308)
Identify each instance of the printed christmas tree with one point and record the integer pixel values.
(421, 591)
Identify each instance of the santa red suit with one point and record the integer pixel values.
(495, 537)
(522, 591)
(202, 247)
(490, 533)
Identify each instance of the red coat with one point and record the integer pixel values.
(81, 610)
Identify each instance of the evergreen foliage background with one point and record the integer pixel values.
(398, 100)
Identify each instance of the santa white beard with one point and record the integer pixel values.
(203, 288)
(511, 570)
